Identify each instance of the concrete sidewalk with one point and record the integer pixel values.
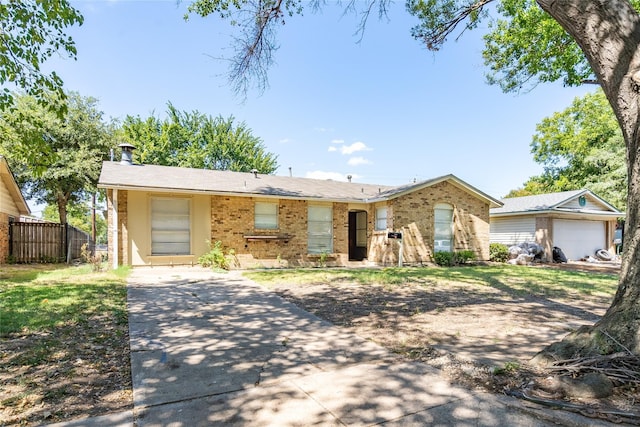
(217, 349)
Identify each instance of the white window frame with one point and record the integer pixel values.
(441, 242)
(170, 228)
(265, 215)
(382, 213)
(319, 229)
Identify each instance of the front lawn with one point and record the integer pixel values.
(64, 345)
(521, 280)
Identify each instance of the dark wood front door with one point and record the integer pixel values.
(357, 235)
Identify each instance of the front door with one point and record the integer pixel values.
(357, 235)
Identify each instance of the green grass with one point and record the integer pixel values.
(520, 280)
(40, 298)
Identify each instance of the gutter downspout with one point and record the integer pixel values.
(115, 228)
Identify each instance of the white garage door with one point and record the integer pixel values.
(578, 239)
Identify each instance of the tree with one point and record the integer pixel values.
(31, 31)
(56, 160)
(197, 141)
(536, 41)
(580, 147)
(79, 216)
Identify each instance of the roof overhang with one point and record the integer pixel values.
(166, 190)
(564, 214)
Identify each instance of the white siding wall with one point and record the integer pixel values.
(591, 205)
(511, 231)
(7, 205)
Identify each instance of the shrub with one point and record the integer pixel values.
(443, 259)
(448, 259)
(91, 258)
(498, 252)
(464, 256)
(216, 257)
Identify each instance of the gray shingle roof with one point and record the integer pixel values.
(168, 178)
(543, 202)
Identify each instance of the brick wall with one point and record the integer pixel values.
(413, 214)
(123, 238)
(232, 223)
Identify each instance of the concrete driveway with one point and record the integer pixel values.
(217, 349)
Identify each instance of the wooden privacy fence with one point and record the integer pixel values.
(46, 242)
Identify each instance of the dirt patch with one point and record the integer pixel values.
(478, 336)
(72, 372)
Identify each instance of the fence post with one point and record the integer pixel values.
(67, 249)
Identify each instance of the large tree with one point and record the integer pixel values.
(56, 159)
(196, 140)
(531, 41)
(31, 31)
(580, 147)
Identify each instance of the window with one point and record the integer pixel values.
(266, 215)
(443, 239)
(381, 218)
(170, 226)
(320, 229)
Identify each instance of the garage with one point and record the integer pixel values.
(577, 238)
(579, 222)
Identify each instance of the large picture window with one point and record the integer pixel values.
(381, 218)
(266, 216)
(170, 226)
(320, 229)
(443, 240)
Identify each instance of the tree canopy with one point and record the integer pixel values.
(56, 160)
(31, 31)
(79, 216)
(199, 141)
(580, 147)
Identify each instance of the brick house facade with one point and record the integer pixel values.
(223, 206)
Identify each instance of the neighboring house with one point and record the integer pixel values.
(12, 205)
(161, 215)
(578, 222)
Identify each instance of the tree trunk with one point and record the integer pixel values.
(62, 201)
(608, 31)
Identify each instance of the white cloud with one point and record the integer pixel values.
(355, 147)
(285, 141)
(331, 148)
(355, 161)
(336, 176)
(337, 141)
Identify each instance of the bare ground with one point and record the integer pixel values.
(478, 336)
(72, 372)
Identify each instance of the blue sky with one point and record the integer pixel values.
(384, 110)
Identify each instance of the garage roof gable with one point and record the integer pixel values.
(577, 201)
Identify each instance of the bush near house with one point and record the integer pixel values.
(448, 259)
(498, 252)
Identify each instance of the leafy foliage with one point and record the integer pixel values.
(196, 140)
(56, 160)
(449, 259)
(498, 252)
(526, 46)
(216, 258)
(31, 31)
(580, 147)
(79, 216)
